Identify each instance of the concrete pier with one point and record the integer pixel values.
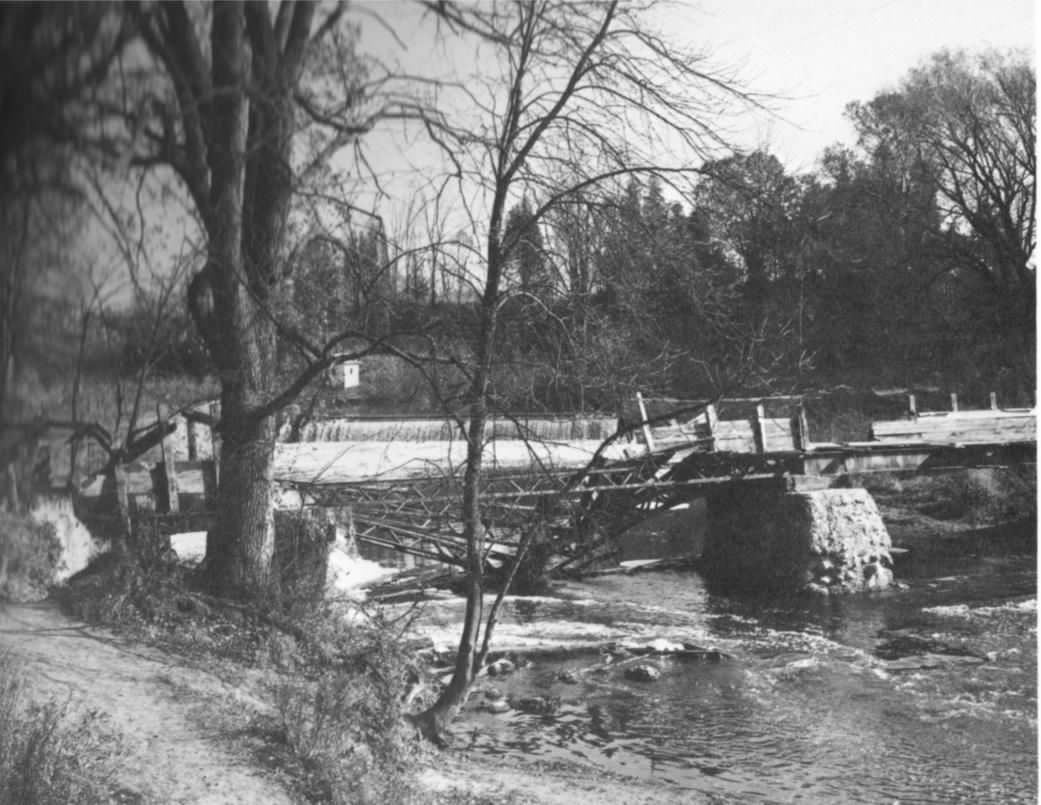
(824, 541)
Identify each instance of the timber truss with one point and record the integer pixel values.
(579, 511)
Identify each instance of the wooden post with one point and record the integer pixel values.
(758, 429)
(647, 437)
(800, 429)
(912, 407)
(172, 492)
(215, 441)
(954, 402)
(712, 419)
(193, 439)
(993, 401)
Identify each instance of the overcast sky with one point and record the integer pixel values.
(816, 55)
(821, 55)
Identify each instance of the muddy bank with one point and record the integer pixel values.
(514, 780)
(966, 508)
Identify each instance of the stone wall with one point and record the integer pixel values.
(830, 540)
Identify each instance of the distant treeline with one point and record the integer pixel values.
(905, 259)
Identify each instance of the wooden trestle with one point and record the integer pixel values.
(580, 510)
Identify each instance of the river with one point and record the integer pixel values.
(923, 694)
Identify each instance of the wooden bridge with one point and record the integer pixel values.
(405, 495)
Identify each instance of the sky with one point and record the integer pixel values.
(819, 56)
(813, 56)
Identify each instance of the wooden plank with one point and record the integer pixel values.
(940, 420)
(1011, 426)
(965, 419)
(912, 406)
(196, 480)
(1021, 433)
(138, 480)
(954, 401)
(993, 401)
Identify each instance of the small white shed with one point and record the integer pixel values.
(346, 375)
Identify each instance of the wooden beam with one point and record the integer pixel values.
(993, 401)
(912, 406)
(954, 401)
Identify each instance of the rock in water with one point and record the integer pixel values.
(663, 646)
(643, 673)
(501, 668)
(496, 706)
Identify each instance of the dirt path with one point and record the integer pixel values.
(151, 699)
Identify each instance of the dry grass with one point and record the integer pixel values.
(47, 756)
(339, 679)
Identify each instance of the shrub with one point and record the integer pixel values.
(348, 720)
(30, 554)
(46, 756)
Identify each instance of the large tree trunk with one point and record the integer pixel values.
(242, 542)
(238, 330)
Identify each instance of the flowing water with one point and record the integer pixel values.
(926, 694)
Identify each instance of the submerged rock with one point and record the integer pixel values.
(568, 676)
(537, 705)
(908, 651)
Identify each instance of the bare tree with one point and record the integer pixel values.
(582, 95)
(241, 84)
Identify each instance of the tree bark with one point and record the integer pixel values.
(241, 543)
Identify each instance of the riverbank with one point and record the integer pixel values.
(921, 512)
(198, 735)
(808, 683)
(511, 780)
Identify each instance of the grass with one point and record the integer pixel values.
(47, 755)
(339, 676)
